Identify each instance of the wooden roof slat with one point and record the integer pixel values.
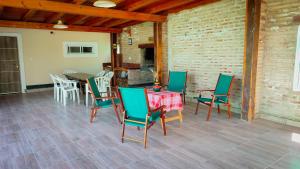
(76, 19)
(168, 7)
(80, 10)
(57, 16)
(95, 21)
(139, 4)
(54, 18)
(191, 5)
(28, 15)
(33, 25)
(1, 10)
(131, 7)
(155, 9)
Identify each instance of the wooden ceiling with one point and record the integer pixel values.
(80, 15)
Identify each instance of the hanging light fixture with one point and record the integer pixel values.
(60, 25)
(104, 4)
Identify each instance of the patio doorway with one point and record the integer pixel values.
(10, 77)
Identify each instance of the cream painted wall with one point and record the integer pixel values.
(43, 53)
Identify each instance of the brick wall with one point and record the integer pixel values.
(277, 101)
(206, 41)
(140, 34)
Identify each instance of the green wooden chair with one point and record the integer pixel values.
(102, 102)
(177, 83)
(220, 95)
(137, 112)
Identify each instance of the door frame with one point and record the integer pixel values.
(21, 58)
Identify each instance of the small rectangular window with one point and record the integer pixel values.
(74, 49)
(80, 49)
(87, 49)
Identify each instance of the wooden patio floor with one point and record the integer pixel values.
(37, 132)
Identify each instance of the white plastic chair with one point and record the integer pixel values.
(56, 87)
(68, 71)
(103, 84)
(107, 81)
(101, 73)
(68, 87)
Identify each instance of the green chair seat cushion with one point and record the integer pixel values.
(154, 117)
(106, 103)
(208, 100)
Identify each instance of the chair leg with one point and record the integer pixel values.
(73, 95)
(92, 115)
(183, 98)
(145, 136)
(209, 112)
(77, 91)
(117, 114)
(163, 125)
(123, 132)
(54, 93)
(180, 116)
(196, 112)
(228, 111)
(219, 111)
(65, 98)
(86, 95)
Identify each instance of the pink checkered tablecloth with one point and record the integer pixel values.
(171, 100)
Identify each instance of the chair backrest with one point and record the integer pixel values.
(68, 71)
(134, 101)
(177, 81)
(100, 83)
(109, 75)
(223, 86)
(93, 87)
(101, 73)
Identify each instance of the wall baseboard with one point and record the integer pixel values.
(39, 86)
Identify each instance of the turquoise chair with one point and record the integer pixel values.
(137, 112)
(177, 83)
(220, 95)
(102, 102)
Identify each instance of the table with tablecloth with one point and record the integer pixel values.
(171, 100)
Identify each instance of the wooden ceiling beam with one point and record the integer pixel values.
(57, 16)
(171, 6)
(131, 7)
(167, 5)
(191, 5)
(139, 4)
(1, 10)
(59, 7)
(33, 25)
(155, 9)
